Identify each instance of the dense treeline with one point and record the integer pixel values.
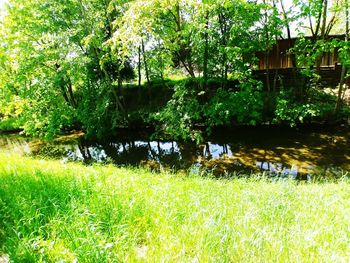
(65, 64)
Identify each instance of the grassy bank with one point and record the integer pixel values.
(51, 211)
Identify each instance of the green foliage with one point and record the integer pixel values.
(9, 124)
(309, 51)
(317, 105)
(230, 107)
(97, 111)
(189, 109)
(63, 63)
(181, 114)
(43, 119)
(344, 53)
(54, 61)
(290, 110)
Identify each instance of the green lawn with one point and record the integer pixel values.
(55, 212)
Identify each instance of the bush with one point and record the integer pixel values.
(316, 105)
(229, 107)
(181, 114)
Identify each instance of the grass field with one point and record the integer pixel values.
(55, 212)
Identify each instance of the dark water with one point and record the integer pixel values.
(284, 152)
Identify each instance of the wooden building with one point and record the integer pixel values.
(276, 67)
(280, 57)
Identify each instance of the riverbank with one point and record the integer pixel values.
(53, 211)
(180, 110)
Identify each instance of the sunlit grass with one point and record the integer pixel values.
(50, 211)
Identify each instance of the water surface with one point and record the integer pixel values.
(277, 151)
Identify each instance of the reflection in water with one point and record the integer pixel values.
(278, 168)
(215, 151)
(287, 154)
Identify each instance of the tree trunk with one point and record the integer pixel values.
(274, 86)
(190, 64)
(206, 53)
(188, 68)
(224, 66)
(119, 105)
(139, 67)
(323, 33)
(289, 35)
(145, 62)
(71, 95)
(267, 70)
(344, 69)
(267, 51)
(64, 94)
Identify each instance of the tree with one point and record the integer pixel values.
(344, 53)
(60, 61)
(321, 15)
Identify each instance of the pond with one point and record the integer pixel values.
(297, 153)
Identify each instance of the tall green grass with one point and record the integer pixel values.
(55, 212)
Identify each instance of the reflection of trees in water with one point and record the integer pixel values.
(137, 152)
(208, 150)
(85, 152)
(304, 150)
(177, 156)
(190, 153)
(169, 158)
(126, 152)
(248, 151)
